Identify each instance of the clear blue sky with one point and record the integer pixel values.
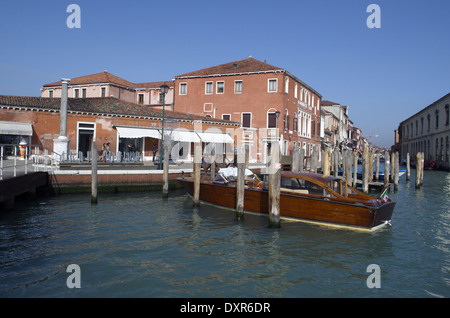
(384, 75)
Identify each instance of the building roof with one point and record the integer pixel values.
(108, 106)
(154, 85)
(248, 65)
(102, 77)
(328, 103)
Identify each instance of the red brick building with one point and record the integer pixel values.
(262, 97)
(106, 120)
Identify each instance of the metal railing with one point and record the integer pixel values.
(106, 156)
(16, 160)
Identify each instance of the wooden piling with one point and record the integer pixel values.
(336, 161)
(94, 197)
(166, 169)
(392, 166)
(408, 167)
(295, 159)
(274, 186)
(213, 162)
(314, 158)
(348, 166)
(365, 170)
(377, 166)
(371, 158)
(301, 166)
(326, 162)
(396, 171)
(386, 168)
(355, 169)
(423, 168)
(418, 169)
(197, 170)
(240, 182)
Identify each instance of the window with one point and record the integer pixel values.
(295, 91)
(421, 125)
(417, 127)
(162, 98)
(429, 122)
(286, 119)
(76, 93)
(50, 94)
(238, 86)
(271, 120)
(208, 87)
(183, 88)
(246, 120)
(103, 91)
(286, 85)
(446, 115)
(437, 118)
(272, 85)
(226, 116)
(220, 87)
(83, 92)
(140, 98)
(295, 124)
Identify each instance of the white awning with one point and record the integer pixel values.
(216, 138)
(183, 136)
(132, 132)
(14, 128)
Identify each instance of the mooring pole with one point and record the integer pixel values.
(408, 167)
(301, 166)
(197, 169)
(295, 159)
(94, 172)
(386, 168)
(355, 169)
(274, 186)
(326, 162)
(365, 176)
(377, 166)
(240, 182)
(418, 169)
(166, 168)
(396, 171)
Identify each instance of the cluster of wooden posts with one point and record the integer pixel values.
(333, 161)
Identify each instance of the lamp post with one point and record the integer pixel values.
(164, 90)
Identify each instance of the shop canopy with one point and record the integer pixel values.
(134, 132)
(14, 128)
(216, 138)
(179, 135)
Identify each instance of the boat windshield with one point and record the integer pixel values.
(301, 186)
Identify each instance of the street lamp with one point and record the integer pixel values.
(164, 89)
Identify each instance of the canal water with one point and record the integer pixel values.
(139, 245)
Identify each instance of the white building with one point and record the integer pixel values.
(427, 131)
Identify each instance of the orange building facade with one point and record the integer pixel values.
(270, 103)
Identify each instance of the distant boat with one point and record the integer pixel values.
(430, 165)
(306, 196)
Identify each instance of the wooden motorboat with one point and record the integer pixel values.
(305, 196)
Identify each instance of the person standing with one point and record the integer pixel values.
(155, 149)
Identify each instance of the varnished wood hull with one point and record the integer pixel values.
(296, 206)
